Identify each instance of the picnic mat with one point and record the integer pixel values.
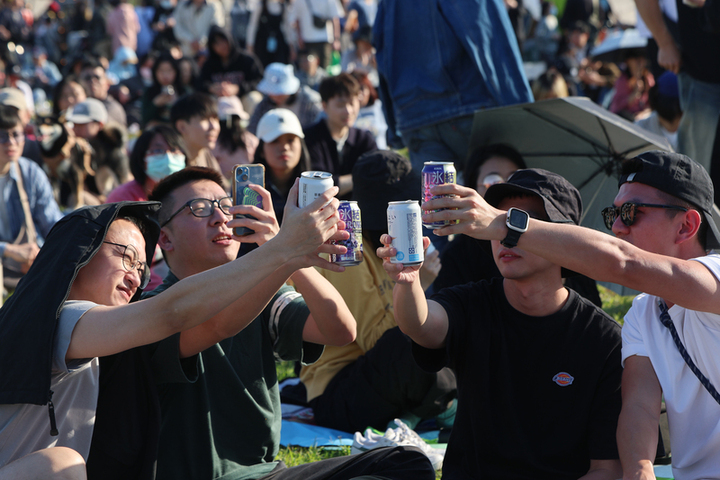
(298, 430)
(663, 472)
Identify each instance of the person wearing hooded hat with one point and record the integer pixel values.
(374, 380)
(538, 367)
(228, 71)
(72, 309)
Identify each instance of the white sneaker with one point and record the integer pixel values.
(402, 435)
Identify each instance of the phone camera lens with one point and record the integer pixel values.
(244, 177)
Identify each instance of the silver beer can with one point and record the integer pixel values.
(312, 185)
(436, 173)
(350, 214)
(405, 228)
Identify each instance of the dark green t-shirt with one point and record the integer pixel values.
(226, 425)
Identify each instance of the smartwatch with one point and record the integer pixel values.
(517, 223)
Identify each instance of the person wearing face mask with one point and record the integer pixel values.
(158, 152)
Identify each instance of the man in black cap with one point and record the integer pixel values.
(538, 366)
(662, 218)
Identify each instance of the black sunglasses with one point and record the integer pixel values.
(130, 262)
(628, 210)
(203, 207)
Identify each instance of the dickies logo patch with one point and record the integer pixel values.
(563, 379)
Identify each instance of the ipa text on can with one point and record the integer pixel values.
(436, 173)
(405, 228)
(350, 214)
(312, 185)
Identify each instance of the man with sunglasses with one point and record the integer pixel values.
(93, 78)
(664, 233)
(228, 420)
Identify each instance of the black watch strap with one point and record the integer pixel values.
(511, 240)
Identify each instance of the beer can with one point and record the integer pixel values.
(436, 173)
(405, 228)
(350, 214)
(312, 185)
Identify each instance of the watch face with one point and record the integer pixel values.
(518, 219)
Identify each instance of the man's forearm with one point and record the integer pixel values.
(637, 442)
(411, 312)
(653, 17)
(335, 323)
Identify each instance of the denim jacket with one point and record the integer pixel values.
(441, 59)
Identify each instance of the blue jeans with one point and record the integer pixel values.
(442, 142)
(700, 102)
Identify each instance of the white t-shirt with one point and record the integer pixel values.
(693, 415)
(303, 11)
(25, 428)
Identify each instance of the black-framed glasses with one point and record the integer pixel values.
(204, 207)
(6, 136)
(627, 212)
(131, 261)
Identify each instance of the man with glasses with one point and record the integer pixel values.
(538, 366)
(27, 206)
(229, 419)
(665, 231)
(95, 82)
(67, 348)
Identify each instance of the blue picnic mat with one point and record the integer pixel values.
(305, 435)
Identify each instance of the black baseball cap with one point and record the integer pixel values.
(677, 175)
(562, 201)
(380, 177)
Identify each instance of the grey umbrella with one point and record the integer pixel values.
(575, 138)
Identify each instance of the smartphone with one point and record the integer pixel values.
(243, 175)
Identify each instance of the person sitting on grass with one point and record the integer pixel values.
(538, 367)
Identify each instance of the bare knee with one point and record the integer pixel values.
(56, 463)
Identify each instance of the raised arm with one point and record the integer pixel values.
(107, 330)
(330, 321)
(424, 321)
(637, 433)
(598, 255)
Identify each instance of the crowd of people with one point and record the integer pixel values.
(139, 334)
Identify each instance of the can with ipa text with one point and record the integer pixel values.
(350, 214)
(436, 173)
(405, 228)
(312, 185)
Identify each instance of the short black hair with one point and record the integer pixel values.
(91, 62)
(196, 104)
(665, 106)
(164, 189)
(340, 85)
(482, 154)
(137, 157)
(9, 117)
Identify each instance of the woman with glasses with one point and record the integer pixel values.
(158, 152)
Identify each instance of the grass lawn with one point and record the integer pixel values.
(614, 304)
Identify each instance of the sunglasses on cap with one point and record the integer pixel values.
(627, 212)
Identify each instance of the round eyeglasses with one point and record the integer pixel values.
(203, 207)
(130, 262)
(628, 210)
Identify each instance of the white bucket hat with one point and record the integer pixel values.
(279, 79)
(276, 122)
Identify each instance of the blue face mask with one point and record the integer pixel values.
(163, 164)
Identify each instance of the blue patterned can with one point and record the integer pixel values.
(436, 173)
(350, 214)
(405, 228)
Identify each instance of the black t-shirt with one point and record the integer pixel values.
(538, 397)
(700, 43)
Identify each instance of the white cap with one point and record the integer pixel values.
(276, 122)
(279, 79)
(231, 106)
(91, 110)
